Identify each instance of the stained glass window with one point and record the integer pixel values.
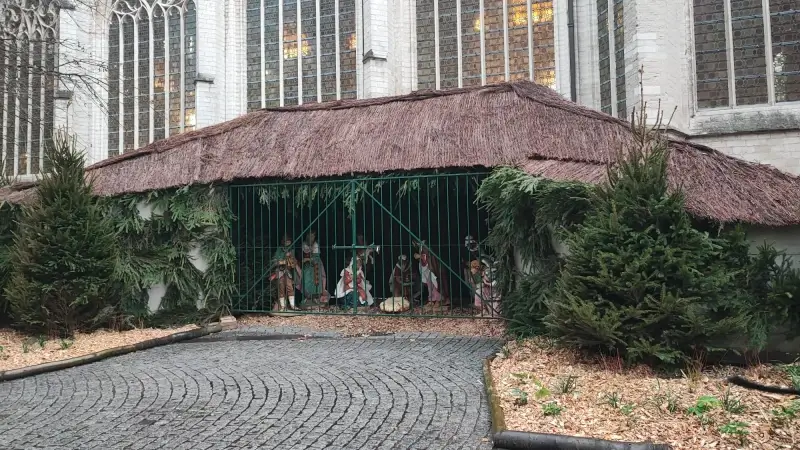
(619, 58)
(749, 59)
(296, 49)
(152, 72)
(605, 56)
(28, 36)
(785, 31)
(498, 40)
(742, 50)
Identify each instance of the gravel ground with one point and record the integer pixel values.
(606, 400)
(18, 350)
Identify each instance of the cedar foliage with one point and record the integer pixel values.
(64, 251)
(640, 280)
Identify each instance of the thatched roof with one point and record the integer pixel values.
(514, 124)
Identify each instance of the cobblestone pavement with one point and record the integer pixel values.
(403, 391)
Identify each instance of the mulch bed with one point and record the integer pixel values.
(546, 389)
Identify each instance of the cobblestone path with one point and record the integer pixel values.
(403, 391)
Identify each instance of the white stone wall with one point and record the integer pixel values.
(658, 36)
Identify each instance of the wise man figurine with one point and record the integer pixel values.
(473, 271)
(353, 289)
(402, 279)
(490, 291)
(284, 273)
(431, 274)
(314, 281)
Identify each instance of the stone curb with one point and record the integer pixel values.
(24, 372)
(504, 439)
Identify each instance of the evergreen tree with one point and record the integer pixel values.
(639, 279)
(63, 255)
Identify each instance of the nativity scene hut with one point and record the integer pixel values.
(351, 202)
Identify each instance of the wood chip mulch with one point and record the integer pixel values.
(369, 325)
(18, 350)
(612, 402)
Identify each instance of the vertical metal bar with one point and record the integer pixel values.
(31, 121)
(167, 81)
(151, 78)
(281, 30)
(182, 87)
(459, 44)
(299, 29)
(319, 64)
(246, 250)
(336, 272)
(483, 42)
(439, 228)
(136, 124)
(261, 236)
(507, 67)
(263, 73)
(337, 50)
(459, 235)
(353, 240)
(729, 49)
(436, 42)
(121, 75)
(768, 52)
(530, 38)
(611, 20)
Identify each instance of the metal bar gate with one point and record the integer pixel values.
(400, 245)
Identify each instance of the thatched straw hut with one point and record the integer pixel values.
(514, 124)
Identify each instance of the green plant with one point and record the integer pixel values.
(613, 399)
(704, 404)
(672, 403)
(42, 340)
(627, 409)
(640, 279)
(64, 251)
(25, 347)
(551, 409)
(786, 413)
(730, 403)
(520, 397)
(794, 375)
(737, 429)
(65, 344)
(567, 385)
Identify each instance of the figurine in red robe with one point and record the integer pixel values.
(431, 274)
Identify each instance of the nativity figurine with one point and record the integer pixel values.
(285, 272)
(431, 274)
(353, 289)
(314, 280)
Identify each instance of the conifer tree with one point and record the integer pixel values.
(640, 280)
(63, 255)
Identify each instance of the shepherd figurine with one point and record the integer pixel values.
(431, 274)
(285, 272)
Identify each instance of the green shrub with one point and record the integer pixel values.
(8, 224)
(64, 252)
(640, 280)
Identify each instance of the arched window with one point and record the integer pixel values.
(28, 37)
(152, 56)
(300, 51)
(474, 42)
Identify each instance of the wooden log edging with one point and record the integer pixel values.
(504, 439)
(24, 372)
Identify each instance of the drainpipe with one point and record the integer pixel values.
(573, 88)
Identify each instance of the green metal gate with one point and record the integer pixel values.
(399, 245)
